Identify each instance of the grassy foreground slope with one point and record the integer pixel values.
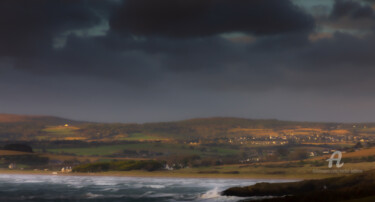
(351, 187)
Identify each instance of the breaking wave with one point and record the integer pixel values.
(98, 188)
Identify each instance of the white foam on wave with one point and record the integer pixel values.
(167, 189)
(105, 183)
(213, 193)
(156, 186)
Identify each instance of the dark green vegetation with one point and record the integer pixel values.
(32, 161)
(355, 186)
(18, 147)
(149, 165)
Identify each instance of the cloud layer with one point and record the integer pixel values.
(197, 18)
(145, 48)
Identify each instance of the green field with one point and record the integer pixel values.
(140, 137)
(224, 171)
(60, 130)
(166, 148)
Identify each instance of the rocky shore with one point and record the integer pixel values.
(355, 187)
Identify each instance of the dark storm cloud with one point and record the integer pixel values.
(341, 52)
(31, 27)
(341, 64)
(91, 57)
(351, 9)
(29, 30)
(351, 15)
(174, 59)
(151, 42)
(180, 18)
(28, 27)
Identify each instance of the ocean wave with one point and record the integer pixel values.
(213, 193)
(156, 186)
(94, 188)
(91, 195)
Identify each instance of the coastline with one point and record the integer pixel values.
(160, 174)
(357, 187)
(218, 172)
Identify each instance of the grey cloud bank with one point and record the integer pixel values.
(170, 60)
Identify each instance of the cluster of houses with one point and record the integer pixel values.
(285, 139)
(12, 166)
(67, 169)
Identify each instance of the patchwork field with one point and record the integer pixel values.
(165, 148)
(140, 137)
(60, 132)
(13, 153)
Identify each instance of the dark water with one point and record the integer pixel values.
(90, 188)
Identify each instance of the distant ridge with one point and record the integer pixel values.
(208, 121)
(29, 127)
(20, 118)
(243, 122)
(15, 118)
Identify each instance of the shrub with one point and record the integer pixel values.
(18, 147)
(149, 165)
(92, 167)
(33, 160)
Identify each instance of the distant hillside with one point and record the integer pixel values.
(13, 118)
(248, 123)
(215, 127)
(26, 127)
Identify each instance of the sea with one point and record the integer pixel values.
(103, 188)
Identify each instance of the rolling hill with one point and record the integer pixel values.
(27, 127)
(48, 120)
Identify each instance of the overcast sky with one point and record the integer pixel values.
(163, 60)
